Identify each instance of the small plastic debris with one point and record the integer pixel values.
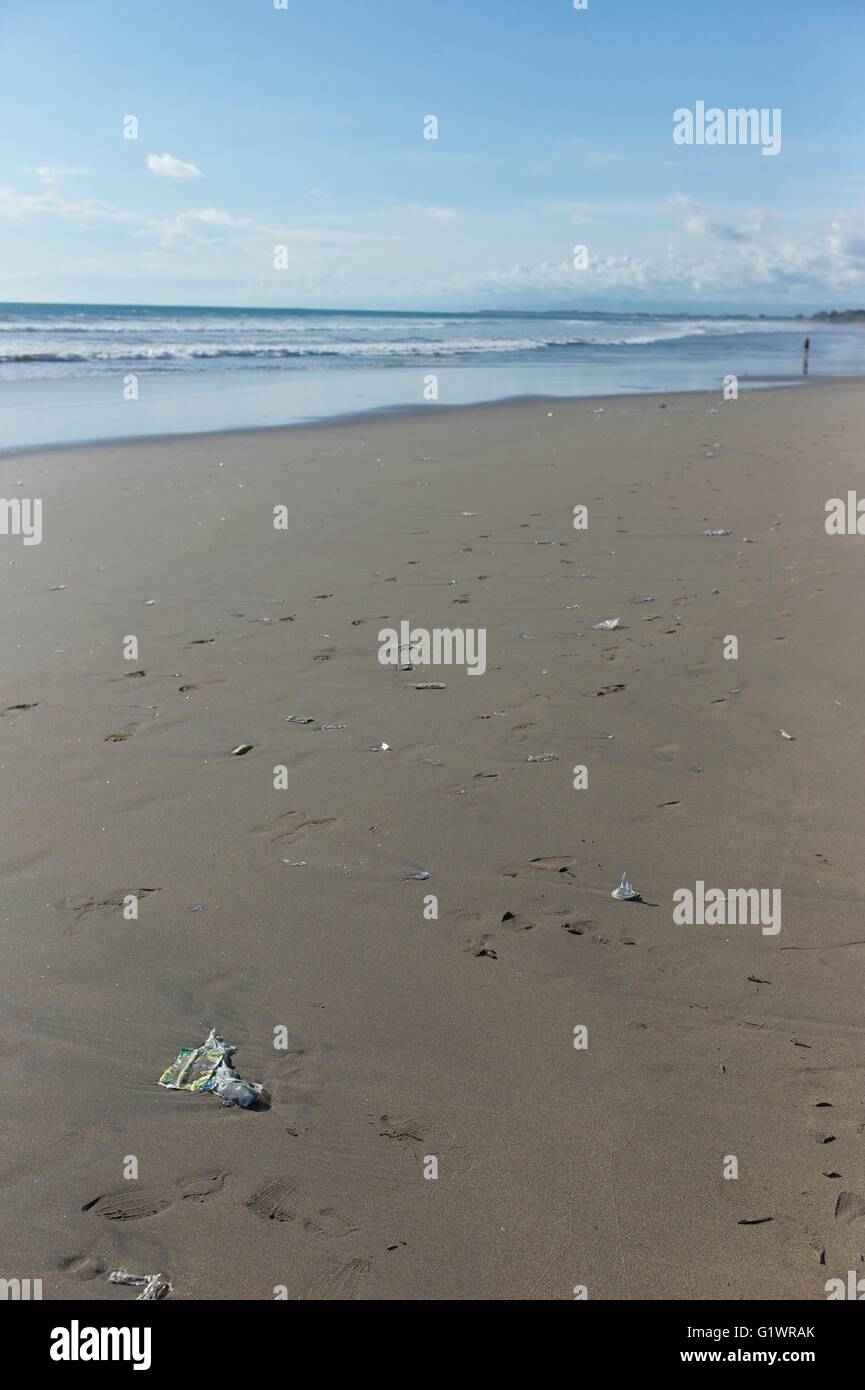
(608, 625)
(723, 531)
(527, 637)
(541, 758)
(647, 598)
(199, 907)
(149, 602)
(625, 893)
(468, 513)
(241, 749)
(152, 1286)
(329, 728)
(419, 874)
(53, 588)
(429, 685)
(207, 1069)
(784, 734)
(294, 863)
(380, 748)
(300, 719)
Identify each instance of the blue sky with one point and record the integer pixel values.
(304, 128)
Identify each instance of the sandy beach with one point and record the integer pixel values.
(291, 916)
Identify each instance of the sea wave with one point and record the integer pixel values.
(186, 352)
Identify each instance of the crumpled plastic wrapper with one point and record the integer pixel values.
(207, 1069)
(152, 1286)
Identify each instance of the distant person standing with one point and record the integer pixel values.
(806, 350)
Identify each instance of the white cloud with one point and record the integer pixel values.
(171, 168)
(704, 221)
(213, 217)
(48, 174)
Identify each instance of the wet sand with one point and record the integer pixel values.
(408, 1036)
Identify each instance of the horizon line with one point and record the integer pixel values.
(438, 313)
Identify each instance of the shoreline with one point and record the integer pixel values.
(410, 412)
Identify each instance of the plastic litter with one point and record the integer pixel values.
(329, 728)
(242, 748)
(429, 685)
(608, 625)
(625, 893)
(152, 1286)
(300, 719)
(722, 532)
(207, 1069)
(380, 748)
(541, 758)
(419, 873)
(784, 734)
(646, 599)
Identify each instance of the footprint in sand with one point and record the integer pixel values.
(122, 735)
(343, 1284)
(849, 1207)
(519, 733)
(218, 680)
(83, 1266)
(197, 1187)
(549, 863)
(133, 1202)
(665, 752)
(293, 832)
(79, 906)
(281, 1201)
(465, 917)
(401, 1131)
(128, 1206)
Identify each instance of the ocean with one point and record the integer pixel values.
(75, 372)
